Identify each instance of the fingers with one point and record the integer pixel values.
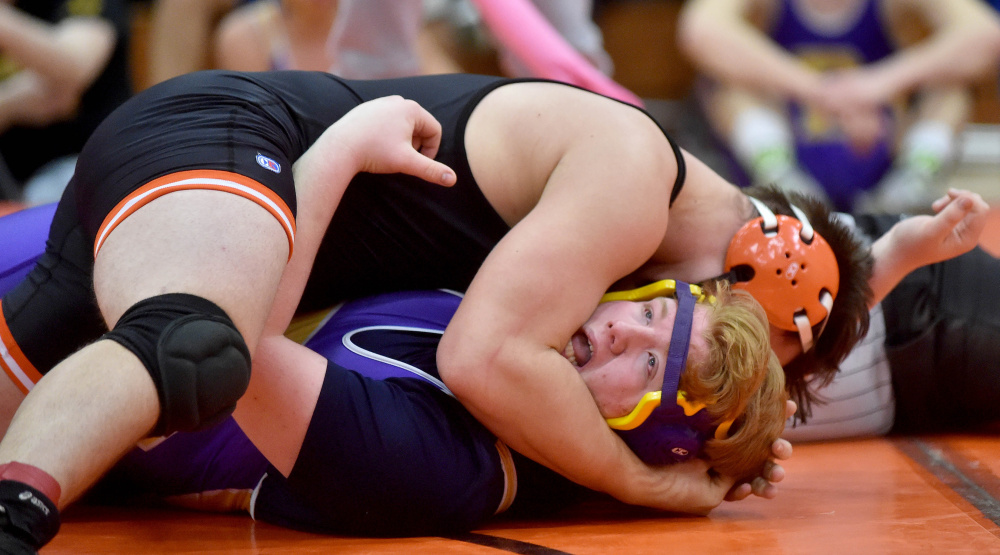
(440, 174)
(426, 140)
(773, 472)
(781, 449)
(975, 201)
(763, 488)
(419, 165)
(790, 408)
(938, 205)
(739, 493)
(965, 214)
(426, 131)
(759, 486)
(967, 200)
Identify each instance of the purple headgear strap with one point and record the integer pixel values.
(680, 341)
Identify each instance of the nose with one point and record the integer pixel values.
(621, 334)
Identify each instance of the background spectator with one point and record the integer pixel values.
(839, 97)
(63, 68)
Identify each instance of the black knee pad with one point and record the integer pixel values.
(195, 355)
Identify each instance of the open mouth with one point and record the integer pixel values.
(579, 350)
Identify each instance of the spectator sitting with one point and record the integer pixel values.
(816, 100)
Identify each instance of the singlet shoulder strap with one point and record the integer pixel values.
(681, 169)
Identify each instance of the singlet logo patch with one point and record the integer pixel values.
(268, 163)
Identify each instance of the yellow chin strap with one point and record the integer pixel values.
(658, 289)
(650, 401)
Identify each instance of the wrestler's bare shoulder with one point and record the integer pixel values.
(520, 132)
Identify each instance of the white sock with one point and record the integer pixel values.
(927, 146)
(762, 142)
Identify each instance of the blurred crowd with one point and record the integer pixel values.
(859, 102)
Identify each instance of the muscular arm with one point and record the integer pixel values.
(710, 31)
(964, 44)
(57, 64)
(596, 221)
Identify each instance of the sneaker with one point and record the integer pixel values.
(12, 540)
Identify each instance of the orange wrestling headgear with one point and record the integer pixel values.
(793, 271)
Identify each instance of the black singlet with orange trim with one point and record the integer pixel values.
(389, 233)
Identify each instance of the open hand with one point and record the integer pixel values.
(954, 229)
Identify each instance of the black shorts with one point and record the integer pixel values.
(211, 130)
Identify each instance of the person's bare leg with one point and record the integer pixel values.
(181, 35)
(83, 416)
(96, 404)
(10, 398)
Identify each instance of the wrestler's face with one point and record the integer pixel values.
(621, 351)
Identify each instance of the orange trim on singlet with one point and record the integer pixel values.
(17, 366)
(509, 477)
(212, 180)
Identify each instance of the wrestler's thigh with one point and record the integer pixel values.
(212, 244)
(10, 399)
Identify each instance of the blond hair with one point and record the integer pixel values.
(740, 379)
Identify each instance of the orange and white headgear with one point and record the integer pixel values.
(793, 272)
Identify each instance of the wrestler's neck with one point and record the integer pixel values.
(694, 247)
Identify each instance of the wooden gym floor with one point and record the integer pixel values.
(926, 494)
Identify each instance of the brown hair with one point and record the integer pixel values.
(848, 321)
(739, 379)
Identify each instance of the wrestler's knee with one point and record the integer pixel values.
(196, 357)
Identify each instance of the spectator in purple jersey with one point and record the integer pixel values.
(838, 98)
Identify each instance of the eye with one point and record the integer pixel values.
(651, 362)
(648, 313)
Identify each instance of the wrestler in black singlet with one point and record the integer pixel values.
(390, 232)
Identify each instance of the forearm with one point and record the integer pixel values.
(543, 410)
(944, 63)
(964, 46)
(890, 266)
(26, 99)
(320, 181)
(70, 55)
(711, 31)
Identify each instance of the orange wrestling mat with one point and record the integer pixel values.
(6, 207)
(920, 494)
